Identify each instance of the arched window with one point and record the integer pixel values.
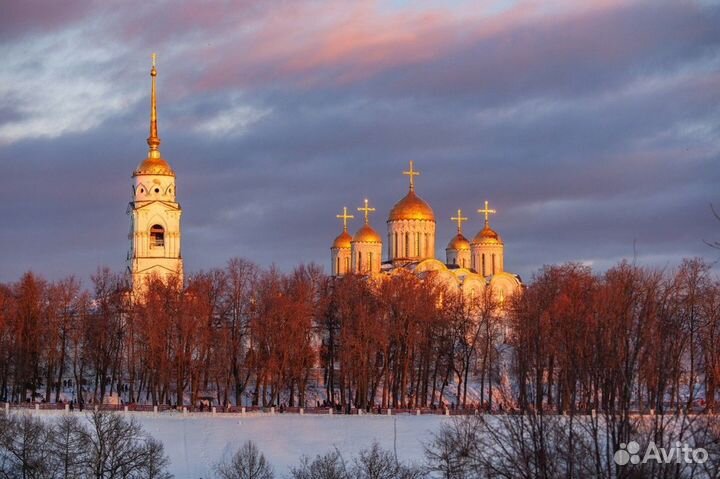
(483, 265)
(157, 236)
(359, 262)
(337, 268)
(407, 245)
(395, 248)
(370, 261)
(493, 263)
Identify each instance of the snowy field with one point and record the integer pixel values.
(194, 443)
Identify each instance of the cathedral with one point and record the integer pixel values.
(154, 211)
(470, 266)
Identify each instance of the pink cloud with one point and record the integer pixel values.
(21, 17)
(311, 43)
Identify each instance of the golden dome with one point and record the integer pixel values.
(411, 207)
(366, 235)
(459, 242)
(487, 235)
(154, 166)
(343, 240)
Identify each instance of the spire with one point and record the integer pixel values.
(487, 212)
(459, 219)
(367, 211)
(412, 173)
(344, 217)
(153, 140)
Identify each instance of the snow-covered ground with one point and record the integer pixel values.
(195, 443)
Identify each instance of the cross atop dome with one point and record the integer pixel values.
(487, 212)
(367, 210)
(344, 216)
(459, 219)
(411, 173)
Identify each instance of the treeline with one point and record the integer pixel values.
(631, 338)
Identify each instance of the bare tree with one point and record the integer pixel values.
(371, 463)
(247, 463)
(154, 465)
(23, 454)
(327, 466)
(378, 463)
(120, 449)
(69, 457)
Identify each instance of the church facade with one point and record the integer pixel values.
(154, 212)
(470, 265)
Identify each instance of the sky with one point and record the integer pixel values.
(592, 127)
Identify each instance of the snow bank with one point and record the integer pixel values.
(195, 443)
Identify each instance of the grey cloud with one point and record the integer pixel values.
(587, 137)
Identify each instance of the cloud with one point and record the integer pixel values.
(590, 126)
(59, 83)
(231, 121)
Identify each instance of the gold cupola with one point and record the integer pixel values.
(340, 250)
(366, 247)
(366, 234)
(411, 227)
(411, 206)
(459, 242)
(458, 251)
(487, 255)
(342, 241)
(154, 164)
(487, 235)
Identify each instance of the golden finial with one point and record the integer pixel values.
(459, 218)
(153, 140)
(344, 217)
(367, 211)
(487, 212)
(412, 173)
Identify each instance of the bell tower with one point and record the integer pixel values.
(154, 212)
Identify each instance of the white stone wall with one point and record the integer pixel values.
(461, 257)
(340, 261)
(411, 240)
(366, 257)
(154, 188)
(493, 253)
